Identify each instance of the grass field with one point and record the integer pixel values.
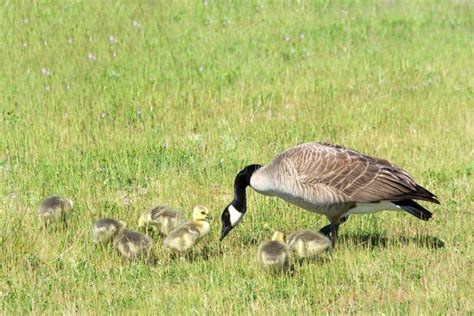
(126, 106)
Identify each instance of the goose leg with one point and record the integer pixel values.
(326, 230)
(334, 230)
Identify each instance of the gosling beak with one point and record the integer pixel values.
(209, 217)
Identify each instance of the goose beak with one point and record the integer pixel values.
(225, 231)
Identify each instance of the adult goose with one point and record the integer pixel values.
(331, 180)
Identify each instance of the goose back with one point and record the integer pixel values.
(331, 179)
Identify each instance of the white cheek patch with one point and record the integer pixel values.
(235, 216)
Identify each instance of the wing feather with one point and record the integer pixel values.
(335, 174)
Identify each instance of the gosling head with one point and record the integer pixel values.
(201, 213)
(279, 236)
(144, 220)
(123, 223)
(69, 203)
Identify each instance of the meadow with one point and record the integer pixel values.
(126, 105)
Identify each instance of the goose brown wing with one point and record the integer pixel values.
(340, 175)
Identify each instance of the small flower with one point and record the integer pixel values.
(301, 36)
(259, 7)
(205, 2)
(114, 54)
(201, 68)
(125, 201)
(165, 145)
(112, 39)
(67, 87)
(44, 71)
(139, 113)
(26, 20)
(25, 45)
(142, 190)
(91, 56)
(103, 114)
(13, 195)
(46, 88)
(69, 40)
(45, 43)
(90, 39)
(226, 22)
(286, 38)
(136, 24)
(66, 115)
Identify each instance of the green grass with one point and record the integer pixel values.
(196, 93)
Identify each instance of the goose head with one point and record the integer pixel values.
(234, 212)
(230, 218)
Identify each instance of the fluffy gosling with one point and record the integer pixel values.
(131, 244)
(185, 236)
(274, 256)
(105, 230)
(306, 244)
(54, 208)
(163, 218)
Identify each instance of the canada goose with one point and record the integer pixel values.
(187, 234)
(132, 244)
(164, 218)
(307, 244)
(54, 208)
(330, 180)
(106, 229)
(274, 255)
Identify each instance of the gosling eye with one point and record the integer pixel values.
(203, 213)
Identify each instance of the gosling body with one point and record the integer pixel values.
(307, 244)
(54, 208)
(274, 256)
(106, 229)
(163, 218)
(185, 236)
(131, 244)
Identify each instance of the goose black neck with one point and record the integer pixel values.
(242, 180)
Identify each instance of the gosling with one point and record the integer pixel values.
(131, 244)
(306, 244)
(163, 218)
(185, 236)
(54, 208)
(105, 230)
(274, 256)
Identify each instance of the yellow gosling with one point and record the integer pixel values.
(274, 256)
(185, 236)
(132, 245)
(162, 218)
(307, 244)
(105, 230)
(54, 208)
